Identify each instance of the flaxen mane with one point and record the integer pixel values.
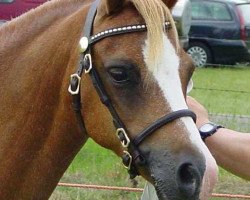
(155, 13)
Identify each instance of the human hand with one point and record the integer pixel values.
(200, 111)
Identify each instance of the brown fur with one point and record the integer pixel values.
(39, 133)
(38, 140)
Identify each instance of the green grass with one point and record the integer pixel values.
(95, 165)
(226, 82)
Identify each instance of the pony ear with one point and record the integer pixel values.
(170, 3)
(108, 7)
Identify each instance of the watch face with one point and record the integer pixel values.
(207, 127)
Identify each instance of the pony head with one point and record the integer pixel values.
(146, 75)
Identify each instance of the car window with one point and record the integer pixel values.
(245, 8)
(210, 11)
(6, 1)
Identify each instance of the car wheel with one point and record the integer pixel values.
(200, 53)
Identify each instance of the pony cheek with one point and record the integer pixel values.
(210, 178)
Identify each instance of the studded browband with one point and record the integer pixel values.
(121, 30)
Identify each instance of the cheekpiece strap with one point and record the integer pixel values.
(87, 31)
(75, 80)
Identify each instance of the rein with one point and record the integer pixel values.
(132, 157)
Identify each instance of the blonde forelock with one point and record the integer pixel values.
(155, 13)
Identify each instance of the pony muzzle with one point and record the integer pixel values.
(176, 177)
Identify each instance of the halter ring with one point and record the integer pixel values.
(125, 140)
(127, 154)
(72, 76)
(88, 56)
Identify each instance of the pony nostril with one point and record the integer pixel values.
(189, 179)
(186, 174)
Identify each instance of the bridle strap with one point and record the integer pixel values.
(132, 157)
(87, 31)
(90, 19)
(75, 81)
(161, 122)
(104, 98)
(122, 30)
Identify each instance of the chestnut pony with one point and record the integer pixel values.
(145, 74)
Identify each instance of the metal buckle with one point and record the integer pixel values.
(130, 160)
(88, 56)
(78, 86)
(126, 141)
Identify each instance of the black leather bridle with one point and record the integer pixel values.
(132, 156)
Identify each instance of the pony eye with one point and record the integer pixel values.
(118, 75)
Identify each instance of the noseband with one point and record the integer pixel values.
(132, 157)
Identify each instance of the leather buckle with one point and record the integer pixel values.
(87, 58)
(127, 160)
(76, 91)
(123, 137)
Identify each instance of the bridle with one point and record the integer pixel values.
(132, 157)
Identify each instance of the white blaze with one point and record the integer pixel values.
(167, 76)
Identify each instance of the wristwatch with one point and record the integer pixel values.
(208, 129)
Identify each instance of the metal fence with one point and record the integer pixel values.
(235, 122)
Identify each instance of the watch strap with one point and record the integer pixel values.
(204, 135)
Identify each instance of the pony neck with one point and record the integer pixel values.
(39, 136)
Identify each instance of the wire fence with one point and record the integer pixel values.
(230, 119)
(236, 122)
(140, 190)
(246, 64)
(222, 90)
